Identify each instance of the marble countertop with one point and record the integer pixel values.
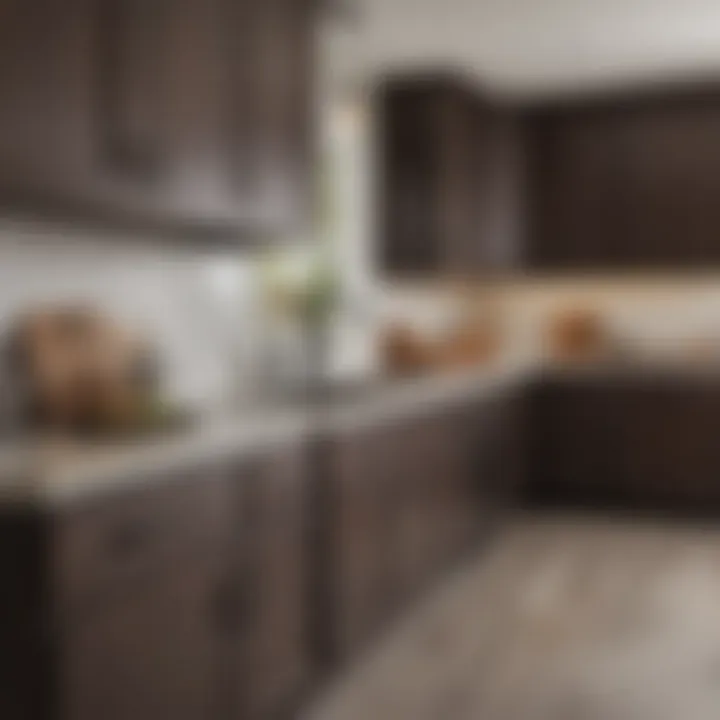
(44, 471)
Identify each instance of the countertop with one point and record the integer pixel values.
(45, 471)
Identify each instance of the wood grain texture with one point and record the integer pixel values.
(564, 618)
(625, 183)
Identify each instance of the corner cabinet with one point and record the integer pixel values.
(184, 114)
(450, 180)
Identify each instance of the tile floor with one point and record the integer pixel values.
(563, 618)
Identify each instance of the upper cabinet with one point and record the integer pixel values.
(579, 214)
(450, 167)
(626, 184)
(177, 114)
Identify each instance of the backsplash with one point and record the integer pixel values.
(200, 309)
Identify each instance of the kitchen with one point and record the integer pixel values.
(359, 370)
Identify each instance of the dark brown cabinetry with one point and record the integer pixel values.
(273, 662)
(578, 194)
(625, 183)
(407, 498)
(449, 179)
(216, 592)
(575, 441)
(136, 621)
(191, 114)
(149, 652)
(182, 597)
(642, 442)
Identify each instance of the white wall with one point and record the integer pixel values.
(529, 48)
(198, 307)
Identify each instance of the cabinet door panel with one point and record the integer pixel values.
(674, 160)
(45, 122)
(450, 179)
(360, 523)
(275, 638)
(577, 442)
(150, 654)
(192, 114)
(579, 185)
(670, 448)
(272, 108)
(131, 101)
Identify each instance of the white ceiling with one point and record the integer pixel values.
(530, 47)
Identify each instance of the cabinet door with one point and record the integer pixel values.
(150, 653)
(94, 125)
(499, 447)
(497, 196)
(670, 449)
(275, 639)
(576, 443)
(479, 192)
(673, 164)
(360, 517)
(44, 125)
(272, 113)
(579, 190)
(414, 450)
(411, 157)
(151, 112)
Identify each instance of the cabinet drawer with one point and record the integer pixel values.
(104, 543)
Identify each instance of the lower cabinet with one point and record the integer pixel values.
(407, 498)
(174, 598)
(214, 593)
(149, 652)
(637, 442)
(355, 561)
(671, 450)
(576, 448)
(272, 663)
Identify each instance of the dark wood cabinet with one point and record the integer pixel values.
(624, 183)
(449, 179)
(578, 190)
(272, 659)
(358, 517)
(671, 455)
(192, 115)
(673, 165)
(202, 593)
(408, 497)
(575, 442)
(149, 652)
(633, 442)
(274, 110)
(183, 596)
(136, 622)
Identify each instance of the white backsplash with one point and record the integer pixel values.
(198, 308)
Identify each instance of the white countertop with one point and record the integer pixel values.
(50, 472)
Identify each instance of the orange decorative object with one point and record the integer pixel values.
(577, 335)
(405, 351)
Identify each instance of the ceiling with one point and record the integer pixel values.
(529, 48)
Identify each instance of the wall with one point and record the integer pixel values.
(198, 307)
(653, 318)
